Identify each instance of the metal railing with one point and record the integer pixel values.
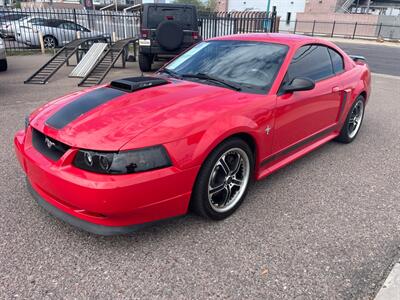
(21, 32)
(353, 30)
(21, 28)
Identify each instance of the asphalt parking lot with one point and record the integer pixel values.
(382, 58)
(325, 227)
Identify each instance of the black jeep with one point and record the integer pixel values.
(166, 30)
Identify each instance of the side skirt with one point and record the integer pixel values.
(312, 143)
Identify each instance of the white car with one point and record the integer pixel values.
(9, 28)
(3, 59)
(56, 33)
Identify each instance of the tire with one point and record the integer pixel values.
(351, 126)
(145, 61)
(3, 65)
(50, 42)
(210, 193)
(169, 35)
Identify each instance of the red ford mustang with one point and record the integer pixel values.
(194, 135)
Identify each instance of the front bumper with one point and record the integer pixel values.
(87, 226)
(99, 203)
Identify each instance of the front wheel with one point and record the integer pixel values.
(223, 180)
(353, 122)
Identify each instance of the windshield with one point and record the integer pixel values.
(252, 65)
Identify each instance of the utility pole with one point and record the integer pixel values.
(267, 20)
(368, 5)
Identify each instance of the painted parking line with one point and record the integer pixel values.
(390, 289)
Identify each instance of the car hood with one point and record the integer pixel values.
(121, 118)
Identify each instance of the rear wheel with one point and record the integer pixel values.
(145, 61)
(223, 180)
(353, 122)
(3, 65)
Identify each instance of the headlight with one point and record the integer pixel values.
(124, 162)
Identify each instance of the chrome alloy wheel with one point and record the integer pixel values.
(228, 180)
(355, 120)
(49, 42)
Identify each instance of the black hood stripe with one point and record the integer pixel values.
(82, 105)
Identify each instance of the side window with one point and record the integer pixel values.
(311, 61)
(337, 61)
(37, 21)
(67, 25)
(81, 28)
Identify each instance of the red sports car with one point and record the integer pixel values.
(195, 134)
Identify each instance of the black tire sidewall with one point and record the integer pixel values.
(200, 202)
(3, 65)
(145, 61)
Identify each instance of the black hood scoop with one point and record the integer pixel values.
(132, 84)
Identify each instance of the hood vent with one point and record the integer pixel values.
(132, 84)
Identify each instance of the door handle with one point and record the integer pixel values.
(335, 89)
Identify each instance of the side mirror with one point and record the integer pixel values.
(200, 23)
(299, 84)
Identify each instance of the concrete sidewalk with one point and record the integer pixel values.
(390, 289)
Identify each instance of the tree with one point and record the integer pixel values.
(198, 3)
(209, 5)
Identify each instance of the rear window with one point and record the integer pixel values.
(158, 14)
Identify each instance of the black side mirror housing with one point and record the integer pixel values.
(299, 84)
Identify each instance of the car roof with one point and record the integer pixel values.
(280, 38)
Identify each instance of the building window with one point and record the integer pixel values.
(288, 15)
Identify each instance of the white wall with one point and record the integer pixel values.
(282, 8)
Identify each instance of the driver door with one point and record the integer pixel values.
(302, 114)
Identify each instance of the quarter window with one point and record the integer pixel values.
(337, 61)
(311, 61)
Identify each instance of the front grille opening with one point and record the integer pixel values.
(47, 146)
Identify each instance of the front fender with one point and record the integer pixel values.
(221, 130)
(193, 150)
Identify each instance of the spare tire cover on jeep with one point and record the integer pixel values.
(169, 35)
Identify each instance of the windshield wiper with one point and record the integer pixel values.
(171, 73)
(203, 76)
